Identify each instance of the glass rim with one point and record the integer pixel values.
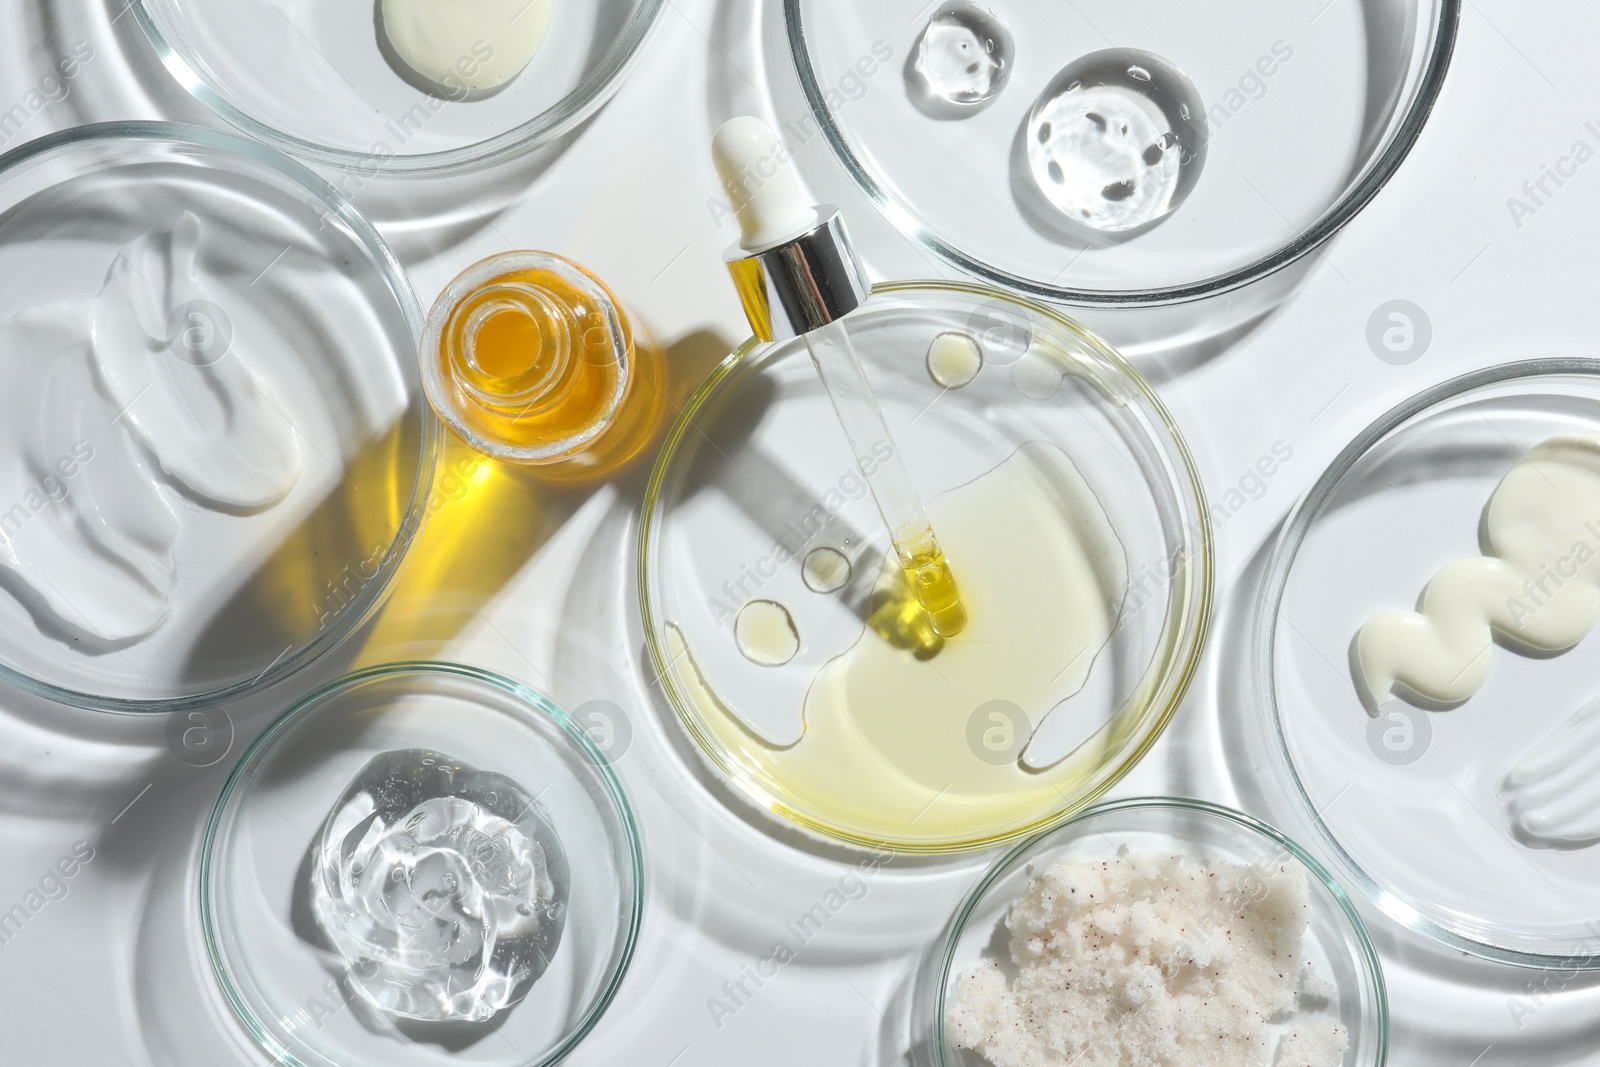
(1350, 203)
(307, 705)
(1194, 630)
(583, 101)
(1003, 864)
(376, 590)
(1399, 907)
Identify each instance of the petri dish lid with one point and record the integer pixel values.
(290, 990)
(1337, 944)
(217, 447)
(1307, 114)
(314, 80)
(1414, 803)
(756, 500)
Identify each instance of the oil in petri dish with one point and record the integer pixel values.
(895, 745)
(766, 633)
(954, 359)
(1116, 141)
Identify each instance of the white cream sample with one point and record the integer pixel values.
(85, 538)
(1538, 585)
(96, 400)
(1150, 960)
(476, 44)
(1552, 793)
(214, 429)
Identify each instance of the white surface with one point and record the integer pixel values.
(111, 972)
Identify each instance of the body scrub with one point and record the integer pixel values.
(1152, 960)
(464, 46)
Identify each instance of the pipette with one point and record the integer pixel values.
(798, 276)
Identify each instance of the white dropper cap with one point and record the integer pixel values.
(761, 184)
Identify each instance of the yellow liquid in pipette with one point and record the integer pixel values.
(928, 574)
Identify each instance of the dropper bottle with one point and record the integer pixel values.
(798, 276)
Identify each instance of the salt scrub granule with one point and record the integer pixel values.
(1145, 960)
(1316, 1042)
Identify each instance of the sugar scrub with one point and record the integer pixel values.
(1149, 960)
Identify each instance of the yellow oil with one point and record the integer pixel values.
(914, 751)
(540, 366)
(928, 574)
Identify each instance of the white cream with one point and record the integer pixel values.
(1538, 586)
(85, 539)
(100, 413)
(477, 45)
(1552, 793)
(214, 428)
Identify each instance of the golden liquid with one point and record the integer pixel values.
(912, 751)
(535, 362)
(928, 574)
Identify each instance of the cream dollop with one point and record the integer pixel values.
(1538, 585)
(471, 45)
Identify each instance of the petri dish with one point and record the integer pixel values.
(217, 486)
(1412, 801)
(1336, 942)
(348, 105)
(290, 990)
(1303, 115)
(756, 514)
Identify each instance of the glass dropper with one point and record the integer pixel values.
(798, 276)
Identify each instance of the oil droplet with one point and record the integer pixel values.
(825, 570)
(766, 633)
(1111, 142)
(954, 359)
(963, 60)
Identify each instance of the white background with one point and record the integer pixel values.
(111, 973)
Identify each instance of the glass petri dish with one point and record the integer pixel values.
(216, 487)
(294, 994)
(1412, 803)
(756, 502)
(1306, 113)
(345, 104)
(1336, 941)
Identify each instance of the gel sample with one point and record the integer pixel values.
(1537, 584)
(1152, 959)
(465, 46)
(888, 744)
(1115, 142)
(963, 60)
(1552, 793)
(114, 403)
(443, 888)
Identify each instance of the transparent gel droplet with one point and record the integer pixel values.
(825, 570)
(765, 633)
(962, 60)
(1116, 142)
(441, 886)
